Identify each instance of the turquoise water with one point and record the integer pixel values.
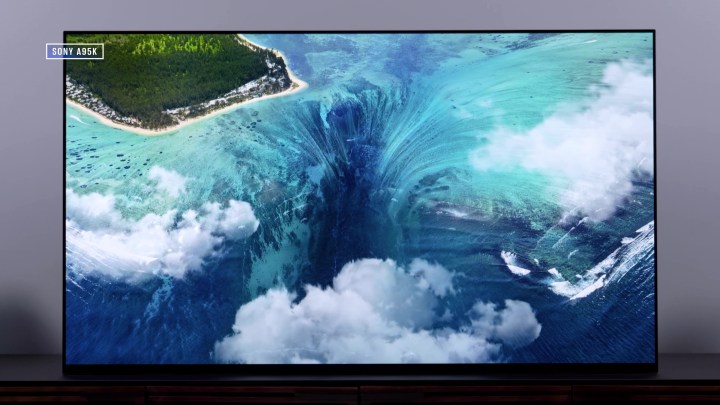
(402, 147)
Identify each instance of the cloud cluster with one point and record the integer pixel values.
(168, 181)
(515, 325)
(594, 150)
(374, 312)
(100, 239)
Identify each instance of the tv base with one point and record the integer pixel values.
(681, 378)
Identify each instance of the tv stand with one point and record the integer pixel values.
(682, 378)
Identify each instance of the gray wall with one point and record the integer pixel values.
(31, 166)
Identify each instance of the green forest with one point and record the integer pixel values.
(144, 74)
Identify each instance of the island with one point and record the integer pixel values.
(155, 83)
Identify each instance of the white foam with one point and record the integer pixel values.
(455, 213)
(563, 238)
(76, 118)
(610, 269)
(564, 288)
(511, 263)
(646, 227)
(590, 289)
(626, 240)
(555, 272)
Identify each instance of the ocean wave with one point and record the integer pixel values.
(612, 268)
(76, 118)
(511, 262)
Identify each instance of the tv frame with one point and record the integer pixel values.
(370, 370)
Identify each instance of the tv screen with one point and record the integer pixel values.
(296, 199)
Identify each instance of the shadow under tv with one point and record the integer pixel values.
(386, 203)
(682, 378)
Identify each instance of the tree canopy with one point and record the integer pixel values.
(144, 74)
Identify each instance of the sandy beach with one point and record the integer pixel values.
(150, 132)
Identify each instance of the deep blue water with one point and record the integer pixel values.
(397, 149)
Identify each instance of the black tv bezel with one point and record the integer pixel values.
(337, 371)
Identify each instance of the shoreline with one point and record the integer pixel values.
(154, 132)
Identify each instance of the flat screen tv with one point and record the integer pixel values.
(383, 202)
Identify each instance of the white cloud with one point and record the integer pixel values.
(100, 239)
(168, 181)
(515, 324)
(435, 276)
(395, 294)
(374, 312)
(237, 221)
(92, 211)
(594, 151)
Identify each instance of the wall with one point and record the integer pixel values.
(31, 166)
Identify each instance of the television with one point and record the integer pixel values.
(360, 202)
